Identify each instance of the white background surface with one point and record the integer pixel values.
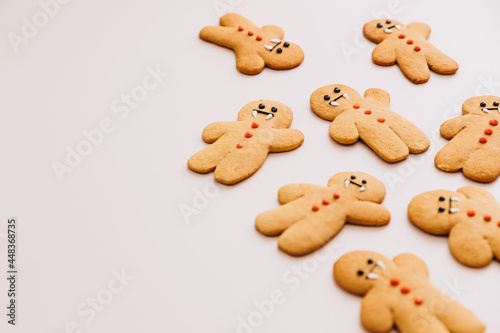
(120, 208)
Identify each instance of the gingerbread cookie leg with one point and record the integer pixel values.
(422, 322)
(483, 165)
(440, 62)
(385, 143)
(309, 234)
(415, 68)
(240, 164)
(468, 323)
(376, 317)
(207, 159)
(249, 63)
(411, 135)
(275, 221)
(469, 246)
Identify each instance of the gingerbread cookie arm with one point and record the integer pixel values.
(386, 144)
(249, 62)
(453, 126)
(214, 131)
(384, 54)
(344, 130)
(208, 158)
(477, 193)
(367, 213)
(412, 263)
(458, 319)
(422, 28)
(285, 140)
(469, 246)
(415, 68)
(376, 315)
(378, 95)
(411, 135)
(483, 165)
(275, 221)
(275, 31)
(235, 20)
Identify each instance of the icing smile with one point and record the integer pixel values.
(451, 210)
(269, 114)
(334, 103)
(372, 276)
(361, 187)
(487, 110)
(276, 43)
(389, 29)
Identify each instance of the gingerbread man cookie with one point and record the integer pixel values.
(474, 145)
(398, 292)
(353, 117)
(471, 217)
(408, 47)
(255, 47)
(313, 214)
(238, 149)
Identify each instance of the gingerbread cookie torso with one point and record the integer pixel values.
(353, 117)
(398, 292)
(238, 149)
(475, 140)
(255, 47)
(408, 47)
(471, 217)
(313, 214)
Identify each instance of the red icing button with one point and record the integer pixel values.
(336, 195)
(368, 112)
(401, 36)
(418, 300)
(487, 218)
(239, 145)
(493, 122)
(498, 224)
(255, 124)
(356, 106)
(471, 213)
(248, 134)
(409, 41)
(326, 201)
(240, 28)
(483, 139)
(315, 208)
(405, 289)
(417, 48)
(258, 37)
(381, 120)
(394, 281)
(250, 33)
(488, 131)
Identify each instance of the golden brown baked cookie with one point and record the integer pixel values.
(312, 214)
(408, 47)
(398, 292)
(475, 140)
(238, 149)
(255, 47)
(471, 217)
(353, 117)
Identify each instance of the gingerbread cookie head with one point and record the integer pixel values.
(361, 185)
(379, 29)
(359, 271)
(278, 54)
(437, 211)
(275, 114)
(481, 105)
(330, 101)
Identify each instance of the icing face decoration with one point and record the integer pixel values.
(269, 115)
(351, 181)
(451, 210)
(276, 42)
(390, 28)
(488, 110)
(370, 275)
(336, 90)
